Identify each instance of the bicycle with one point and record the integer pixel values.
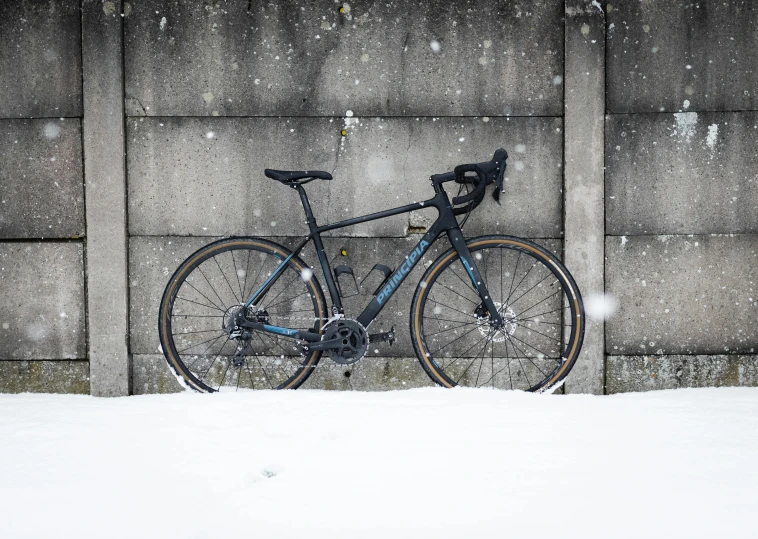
(245, 312)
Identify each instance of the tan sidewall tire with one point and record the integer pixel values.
(202, 254)
(540, 253)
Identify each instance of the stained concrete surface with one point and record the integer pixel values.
(42, 293)
(683, 173)
(41, 181)
(40, 59)
(682, 294)
(308, 58)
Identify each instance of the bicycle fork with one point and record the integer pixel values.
(459, 244)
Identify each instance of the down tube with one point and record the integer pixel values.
(373, 309)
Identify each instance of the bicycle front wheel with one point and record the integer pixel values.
(534, 294)
(210, 289)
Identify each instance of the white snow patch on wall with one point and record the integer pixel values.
(712, 138)
(684, 125)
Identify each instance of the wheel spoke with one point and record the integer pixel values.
(236, 272)
(532, 288)
(526, 356)
(200, 269)
(198, 344)
(206, 297)
(450, 329)
(448, 306)
(486, 342)
(223, 274)
(459, 294)
(456, 339)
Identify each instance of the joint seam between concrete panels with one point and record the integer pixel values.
(34, 239)
(338, 116)
(706, 235)
(46, 117)
(690, 109)
(32, 360)
(84, 201)
(84, 197)
(126, 194)
(442, 237)
(690, 354)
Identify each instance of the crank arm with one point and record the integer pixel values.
(331, 344)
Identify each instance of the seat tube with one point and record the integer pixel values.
(320, 251)
(459, 244)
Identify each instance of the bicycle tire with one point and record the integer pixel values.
(201, 294)
(468, 320)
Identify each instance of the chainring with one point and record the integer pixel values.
(354, 337)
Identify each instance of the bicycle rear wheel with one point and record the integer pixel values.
(208, 290)
(537, 299)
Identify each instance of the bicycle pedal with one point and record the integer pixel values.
(384, 336)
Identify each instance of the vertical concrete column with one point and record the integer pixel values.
(105, 197)
(584, 213)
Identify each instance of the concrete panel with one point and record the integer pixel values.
(649, 373)
(584, 177)
(41, 187)
(44, 376)
(194, 176)
(369, 374)
(42, 294)
(107, 290)
(40, 59)
(151, 374)
(671, 56)
(152, 260)
(308, 58)
(682, 294)
(387, 162)
(684, 173)
(204, 177)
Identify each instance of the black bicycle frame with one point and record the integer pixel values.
(445, 222)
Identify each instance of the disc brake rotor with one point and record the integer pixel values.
(484, 327)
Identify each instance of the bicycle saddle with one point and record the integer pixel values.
(287, 176)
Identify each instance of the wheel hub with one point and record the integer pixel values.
(485, 326)
(236, 314)
(353, 340)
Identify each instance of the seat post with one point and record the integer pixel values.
(309, 218)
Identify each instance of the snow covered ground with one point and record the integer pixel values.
(419, 463)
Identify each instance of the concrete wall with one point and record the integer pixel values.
(218, 93)
(631, 129)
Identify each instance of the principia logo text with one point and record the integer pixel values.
(402, 271)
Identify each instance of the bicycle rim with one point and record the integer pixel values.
(537, 299)
(205, 293)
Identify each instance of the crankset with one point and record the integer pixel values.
(344, 340)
